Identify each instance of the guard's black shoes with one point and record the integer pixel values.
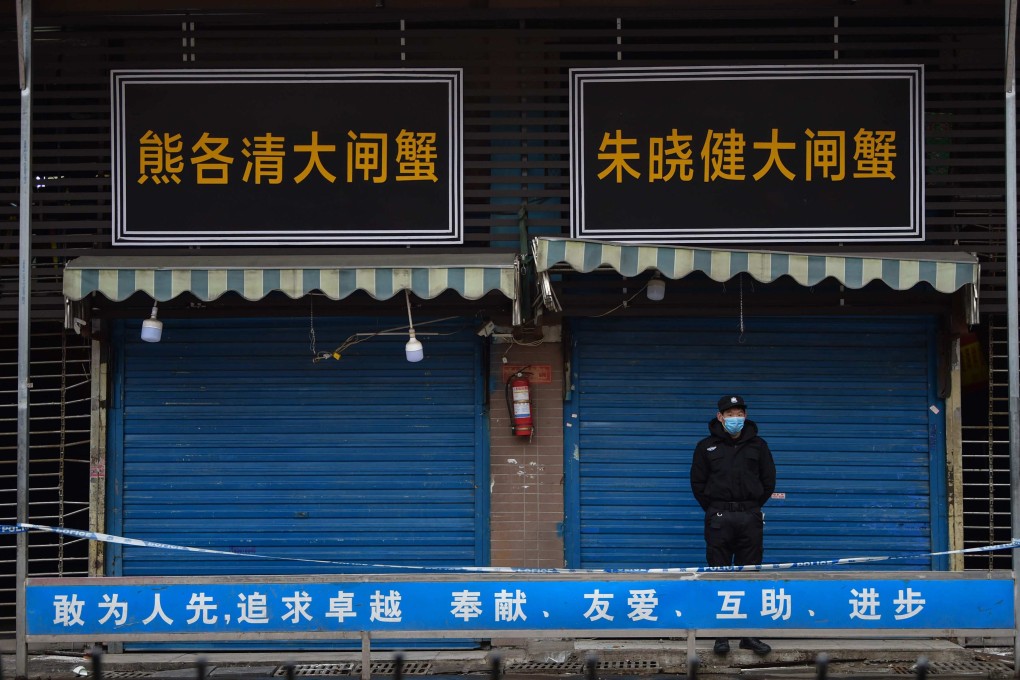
(722, 646)
(755, 645)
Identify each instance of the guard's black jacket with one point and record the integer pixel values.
(726, 470)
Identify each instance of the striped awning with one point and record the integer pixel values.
(946, 273)
(382, 276)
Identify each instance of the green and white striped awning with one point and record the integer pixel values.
(382, 276)
(945, 273)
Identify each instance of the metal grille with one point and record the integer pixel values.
(377, 667)
(644, 665)
(387, 668)
(59, 407)
(981, 668)
(515, 105)
(628, 665)
(545, 666)
(986, 485)
(317, 669)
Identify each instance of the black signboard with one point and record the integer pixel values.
(369, 156)
(747, 154)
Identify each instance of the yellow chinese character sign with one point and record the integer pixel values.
(747, 154)
(284, 157)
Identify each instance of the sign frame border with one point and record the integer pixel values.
(913, 73)
(121, 79)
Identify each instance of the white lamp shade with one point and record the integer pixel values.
(152, 330)
(414, 350)
(656, 289)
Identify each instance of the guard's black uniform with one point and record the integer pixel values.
(732, 478)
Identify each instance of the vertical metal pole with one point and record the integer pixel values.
(1011, 322)
(24, 315)
(366, 655)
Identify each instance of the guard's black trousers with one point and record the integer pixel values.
(734, 537)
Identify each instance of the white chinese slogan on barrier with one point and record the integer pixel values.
(107, 606)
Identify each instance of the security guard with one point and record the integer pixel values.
(732, 476)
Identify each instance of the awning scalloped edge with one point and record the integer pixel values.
(209, 283)
(853, 271)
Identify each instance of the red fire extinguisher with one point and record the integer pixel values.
(518, 401)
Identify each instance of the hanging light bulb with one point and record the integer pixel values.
(413, 349)
(152, 328)
(656, 288)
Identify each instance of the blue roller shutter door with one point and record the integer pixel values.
(848, 406)
(227, 436)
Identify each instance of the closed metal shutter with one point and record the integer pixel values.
(847, 405)
(226, 435)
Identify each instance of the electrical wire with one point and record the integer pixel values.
(741, 338)
(311, 325)
(358, 338)
(622, 305)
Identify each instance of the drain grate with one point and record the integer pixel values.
(983, 668)
(577, 667)
(544, 666)
(316, 669)
(332, 669)
(127, 674)
(387, 668)
(628, 665)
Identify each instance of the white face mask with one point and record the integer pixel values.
(734, 424)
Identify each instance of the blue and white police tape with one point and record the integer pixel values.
(121, 540)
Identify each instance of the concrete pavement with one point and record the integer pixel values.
(523, 659)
